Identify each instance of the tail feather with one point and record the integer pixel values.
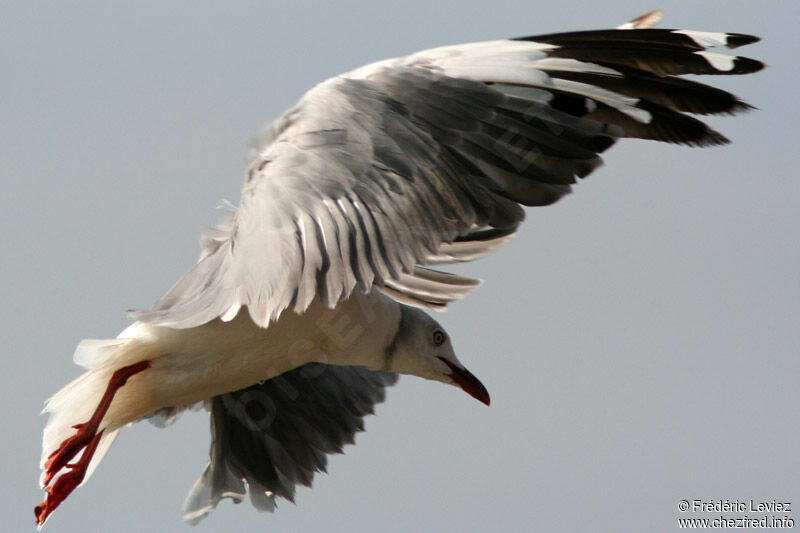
(72, 405)
(94, 353)
(76, 402)
(106, 441)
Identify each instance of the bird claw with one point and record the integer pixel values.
(68, 449)
(68, 481)
(86, 438)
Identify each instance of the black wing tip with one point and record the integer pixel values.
(740, 106)
(735, 40)
(734, 108)
(744, 65)
(711, 138)
(662, 36)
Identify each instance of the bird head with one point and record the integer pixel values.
(421, 347)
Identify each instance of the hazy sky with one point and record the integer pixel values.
(640, 338)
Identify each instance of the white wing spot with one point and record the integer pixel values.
(706, 39)
(718, 61)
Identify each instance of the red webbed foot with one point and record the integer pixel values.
(68, 481)
(87, 439)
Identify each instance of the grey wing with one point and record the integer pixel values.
(270, 437)
(427, 159)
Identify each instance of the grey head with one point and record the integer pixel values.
(421, 347)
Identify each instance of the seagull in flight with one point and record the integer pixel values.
(310, 298)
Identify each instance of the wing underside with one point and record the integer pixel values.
(379, 174)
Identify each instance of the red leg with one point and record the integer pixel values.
(86, 438)
(66, 482)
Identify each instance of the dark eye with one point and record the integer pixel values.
(439, 337)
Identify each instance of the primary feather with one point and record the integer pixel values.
(443, 141)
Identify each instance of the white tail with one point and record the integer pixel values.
(76, 402)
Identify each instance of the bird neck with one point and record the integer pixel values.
(355, 332)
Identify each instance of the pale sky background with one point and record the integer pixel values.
(640, 339)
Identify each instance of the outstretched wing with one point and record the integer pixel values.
(270, 437)
(426, 159)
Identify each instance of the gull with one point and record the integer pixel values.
(310, 298)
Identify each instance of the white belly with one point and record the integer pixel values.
(191, 365)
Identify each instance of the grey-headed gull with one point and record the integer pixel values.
(307, 302)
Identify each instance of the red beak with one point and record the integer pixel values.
(467, 381)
